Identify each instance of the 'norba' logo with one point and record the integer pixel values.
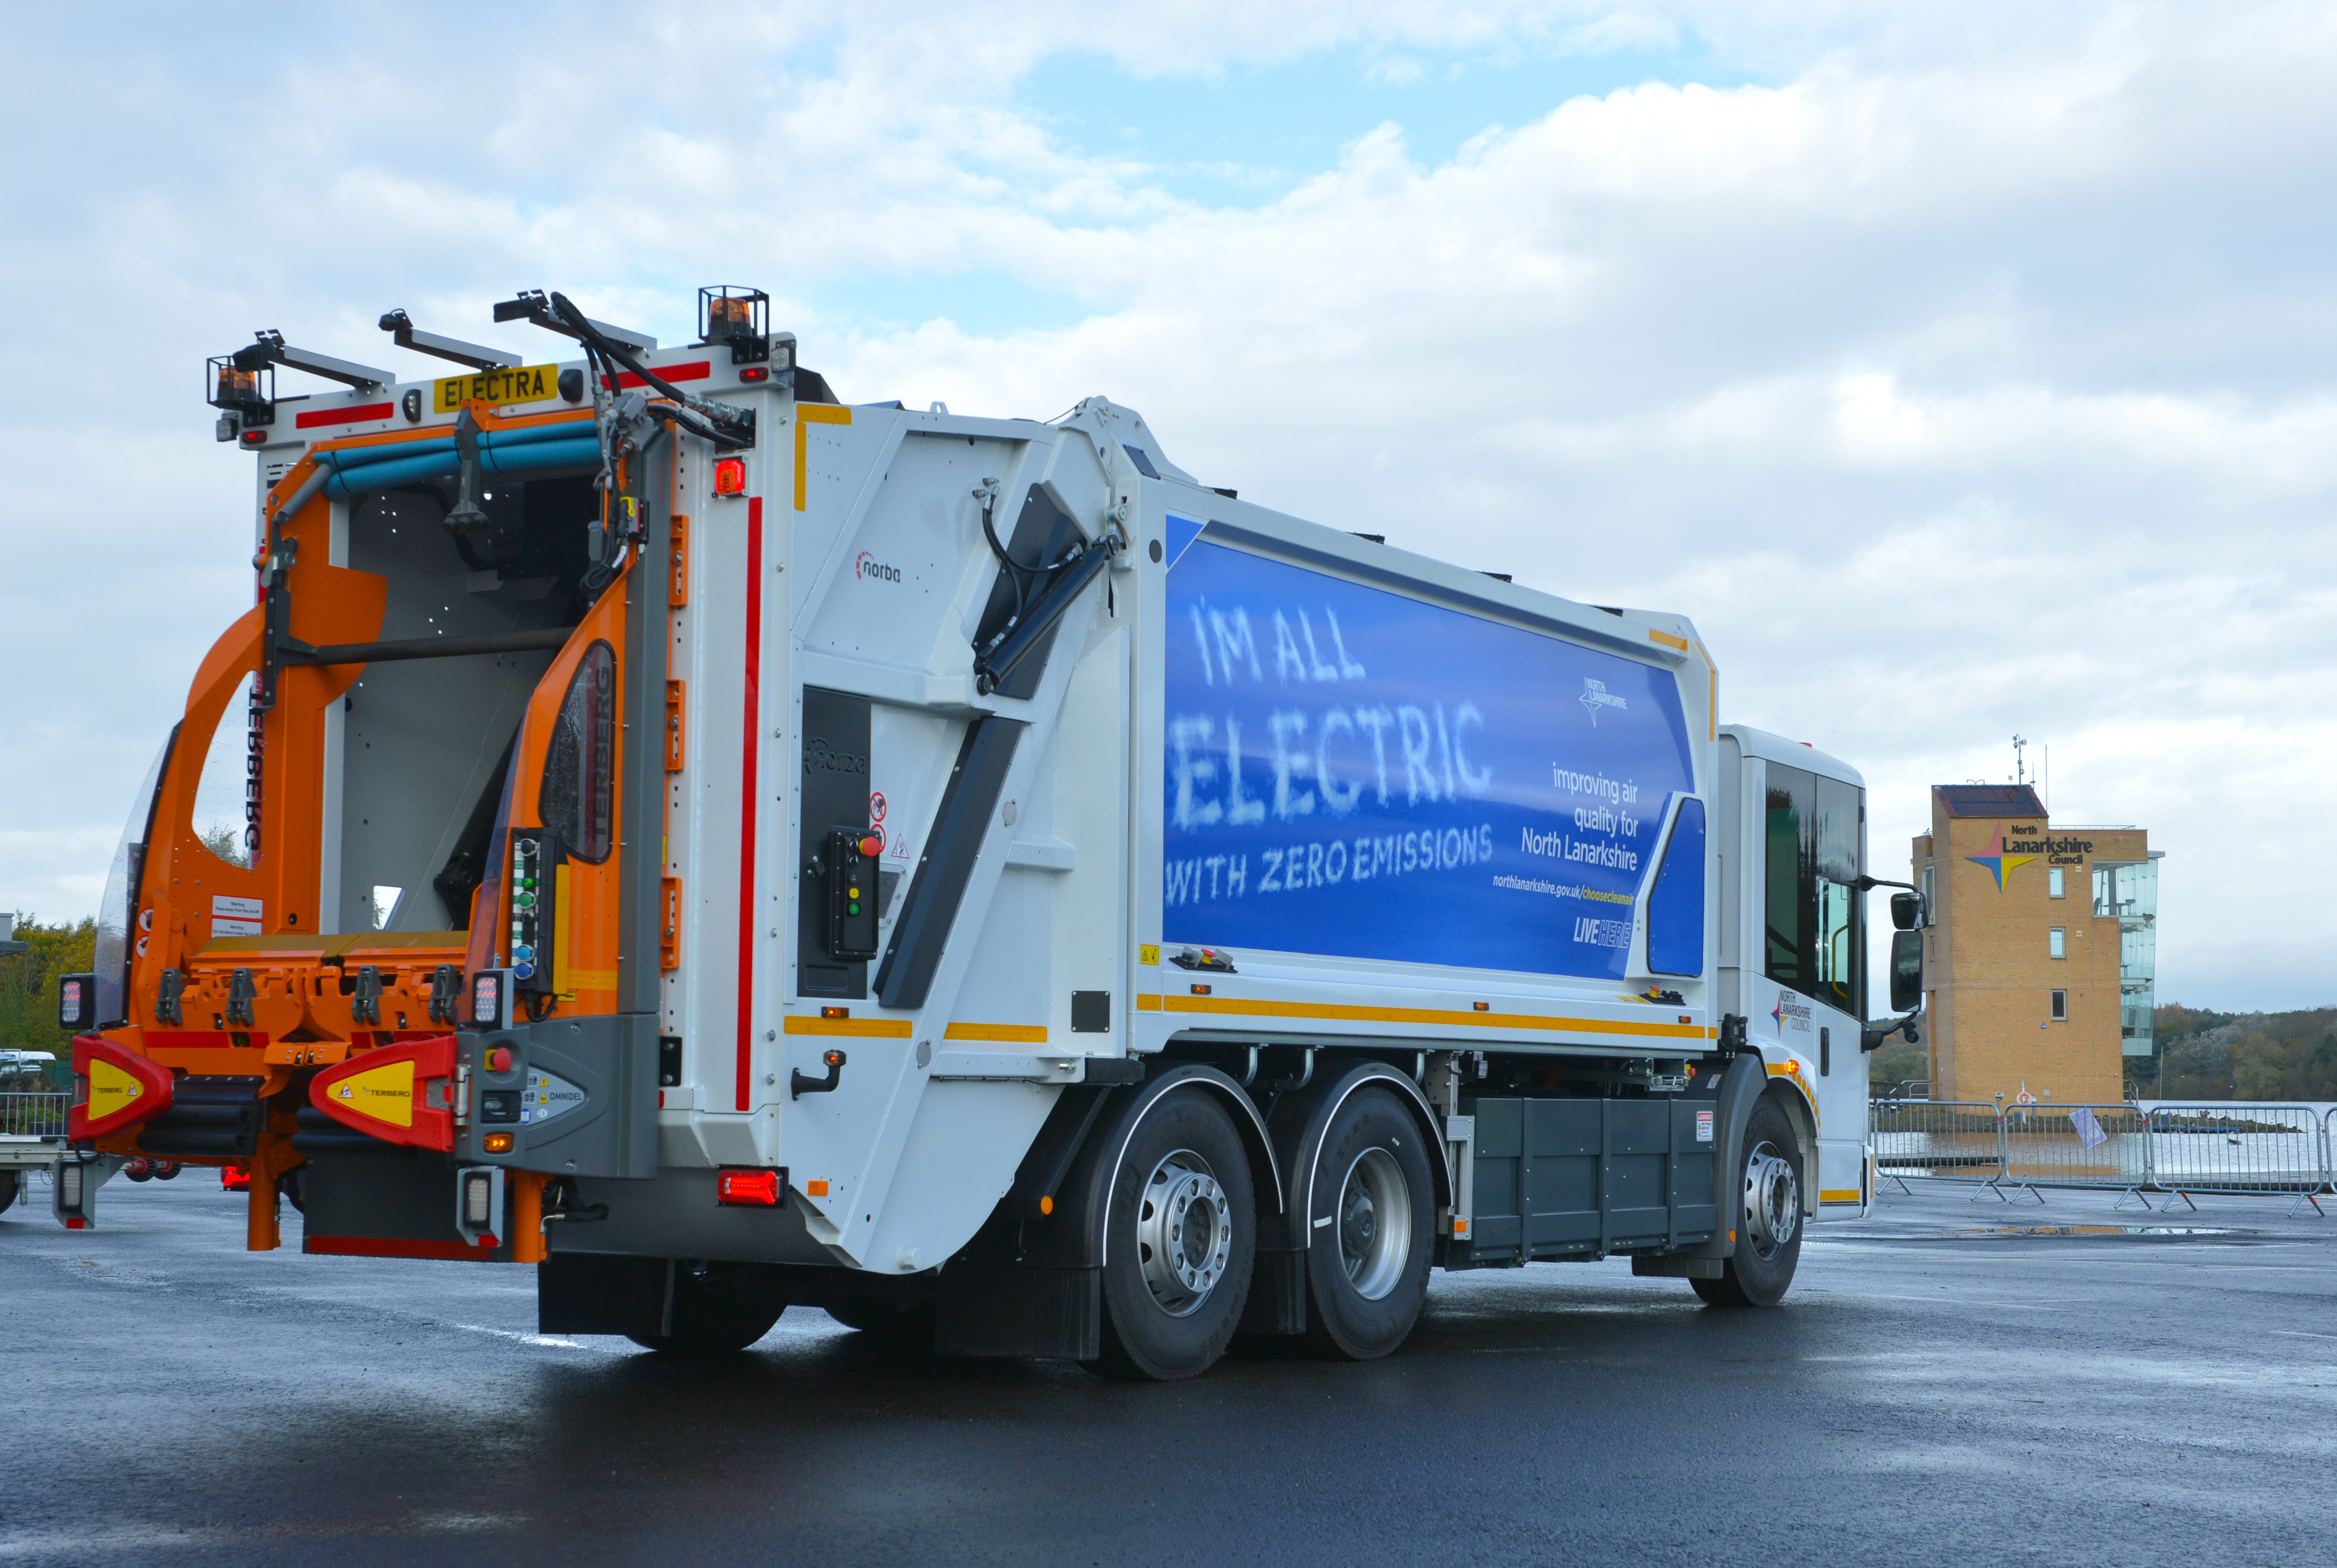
(1595, 696)
(869, 569)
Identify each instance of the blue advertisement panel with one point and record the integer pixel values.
(1354, 773)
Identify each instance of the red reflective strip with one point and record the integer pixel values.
(391, 1246)
(357, 414)
(696, 370)
(747, 795)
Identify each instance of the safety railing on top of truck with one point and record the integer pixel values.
(2171, 1150)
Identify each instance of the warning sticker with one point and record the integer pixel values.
(547, 1096)
(236, 917)
(1704, 1126)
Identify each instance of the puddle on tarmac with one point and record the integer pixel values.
(2102, 1230)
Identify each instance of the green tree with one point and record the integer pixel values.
(28, 986)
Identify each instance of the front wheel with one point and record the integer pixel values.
(1768, 1216)
(1180, 1235)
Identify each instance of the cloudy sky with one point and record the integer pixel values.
(1962, 370)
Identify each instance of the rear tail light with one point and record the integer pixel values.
(730, 477)
(751, 1189)
(235, 1178)
(77, 1003)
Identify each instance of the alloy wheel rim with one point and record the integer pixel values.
(1184, 1232)
(1374, 1224)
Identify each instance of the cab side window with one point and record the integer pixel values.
(1814, 942)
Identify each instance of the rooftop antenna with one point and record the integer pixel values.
(2020, 769)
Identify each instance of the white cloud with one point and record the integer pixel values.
(1961, 371)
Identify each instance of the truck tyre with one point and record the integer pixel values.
(1367, 1260)
(11, 1184)
(1180, 1234)
(708, 1322)
(1768, 1218)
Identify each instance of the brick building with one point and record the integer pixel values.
(2039, 957)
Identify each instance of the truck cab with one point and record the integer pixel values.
(1792, 943)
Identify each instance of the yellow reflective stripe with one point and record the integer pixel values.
(1431, 1016)
(878, 1028)
(1007, 1034)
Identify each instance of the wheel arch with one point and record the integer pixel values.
(1106, 1149)
(1799, 1118)
(1305, 1125)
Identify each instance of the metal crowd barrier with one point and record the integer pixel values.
(2174, 1149)
(32, 1115)
(1938, 1140)
(2240, 1149)
(2106, 1146)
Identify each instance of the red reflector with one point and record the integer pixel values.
(755, 373)
(758, 1188)
(352, 416)
(730, 477)
(254, 437)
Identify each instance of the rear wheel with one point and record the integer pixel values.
(11, 1184)
(1768, 1218)
(1367, 1260)
(707, 1321)
(1180, 1238)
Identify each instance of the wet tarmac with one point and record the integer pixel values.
(1949, 1383)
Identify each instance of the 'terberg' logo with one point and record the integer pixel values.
(869, 569)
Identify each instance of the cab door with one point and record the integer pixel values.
(1812, 992)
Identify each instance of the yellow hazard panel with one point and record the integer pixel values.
(110, 1089)
(385, 1093)
(527, 384)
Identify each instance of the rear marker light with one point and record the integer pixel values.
(817, 1188)
(835, 1011)
(756, 373)
(1482, 1006)
(751, 1189)
(1200, 990)
(730, 477)
(496, 1143)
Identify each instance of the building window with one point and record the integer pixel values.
(2053, 883)
(2057, 942)
(2060, 1006)
(1931, 908)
